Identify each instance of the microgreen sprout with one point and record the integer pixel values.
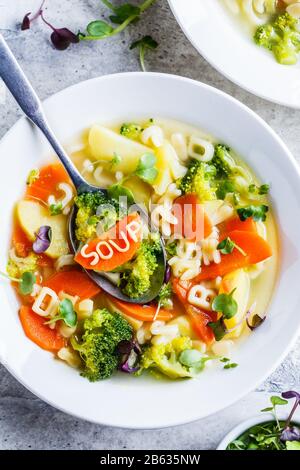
(26, 281)
(66, 313)
(227, 246)
(275, 434)
(257, 212)
(147, 42)
(122, 15)
(225, 304)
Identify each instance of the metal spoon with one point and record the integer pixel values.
(24, 94)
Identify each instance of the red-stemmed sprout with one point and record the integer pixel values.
(61, 38)
(27, 20)
(291, 433)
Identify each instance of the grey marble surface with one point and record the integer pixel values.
(25, 421)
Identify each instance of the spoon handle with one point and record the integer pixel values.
(24, 94)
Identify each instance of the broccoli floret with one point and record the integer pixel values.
(166, 358)
(223, 161)
(17, 266)
(103, 331)
(91, 209)
(131, 130)
(281, 37)
(136, 278)
(199, 179)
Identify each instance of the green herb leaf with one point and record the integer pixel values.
(218, 328)
(226, 246)
(55, 209)
(270, 408)
(66, 312)
(117, 191)
(275, 400)
(99, 29)
(257, 212)
(123, 12)
(146, 169)
(27, 282)
(224, 359)
(231, 365)
(292, 445)
(147, 42)
(226, 304)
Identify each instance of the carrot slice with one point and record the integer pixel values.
(200, 322)
(192, 221)
(254, 246)
(47, 182)
(35, 329)
(73, 282)
(20, 241)
(248, 225)
(141, 312)
(119, 235)
(199, 319)
(181, 288)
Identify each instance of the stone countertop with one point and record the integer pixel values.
(25, 421)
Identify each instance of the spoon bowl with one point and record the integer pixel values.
(24, 94)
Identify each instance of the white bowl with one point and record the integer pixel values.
(238, 430)
(144, 402)
(216, 34)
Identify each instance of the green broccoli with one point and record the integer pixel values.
(176, 359)
(131, 130)
(17, 266)
(136, 277)
(223, 161)
(282, 37)
(199, 179)
(102, 332)
(91, 209)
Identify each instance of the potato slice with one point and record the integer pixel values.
(210, 207)
(240, 281)
(32, 216)
(167, 158)
(104, 143)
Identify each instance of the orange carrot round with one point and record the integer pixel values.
(47, 182)
(35, 329)
(73, 282)
(118, 235)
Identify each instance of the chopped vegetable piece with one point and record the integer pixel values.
(46, 184)
(73, 283)
(200, 321)
(193, 222)
(141, 312)
(36, 330)
(20, 241)
(236, 223)
(254, 246)
(118, 246)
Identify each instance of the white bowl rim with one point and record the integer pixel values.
(226, 74)
(291, 160)
(248, 423)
